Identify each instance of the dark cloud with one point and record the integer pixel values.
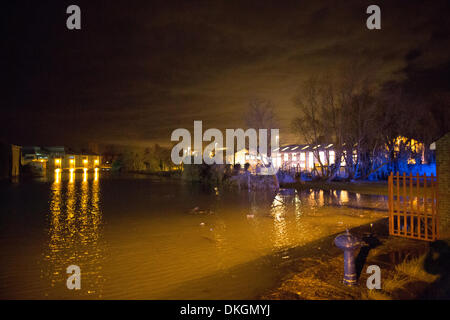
(137, 70)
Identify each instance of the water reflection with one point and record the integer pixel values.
(75, 236)
(157, 245)
(300, 217)
(278, 212)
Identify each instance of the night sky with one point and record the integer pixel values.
(139, 69)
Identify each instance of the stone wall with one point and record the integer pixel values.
(443, 172)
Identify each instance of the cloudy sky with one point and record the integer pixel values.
(139, 69)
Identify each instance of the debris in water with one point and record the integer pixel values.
(195, 210)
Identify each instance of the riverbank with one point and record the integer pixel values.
(362, 187)
(410, 269)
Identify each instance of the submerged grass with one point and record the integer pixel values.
(396, 282)
(414, 268)
(409, 272)
(376, 295)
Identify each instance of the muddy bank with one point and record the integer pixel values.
(410, 269)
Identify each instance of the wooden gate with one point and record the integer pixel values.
(413, 206)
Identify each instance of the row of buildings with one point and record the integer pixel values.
(62, 158)
(297, 157)
(308, 158)
(35, 160)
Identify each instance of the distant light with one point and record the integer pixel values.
(433, 146)
(57, 161)
(85, 161)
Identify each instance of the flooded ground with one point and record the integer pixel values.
(139, 238)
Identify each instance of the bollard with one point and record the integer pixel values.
(348, 243)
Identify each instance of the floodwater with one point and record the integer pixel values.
(135, 237)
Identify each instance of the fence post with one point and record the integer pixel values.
(390, 203)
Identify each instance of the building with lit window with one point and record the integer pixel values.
(305, 157)
(52, 158)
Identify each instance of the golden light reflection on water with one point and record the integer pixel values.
(278, 212)
(74, 238)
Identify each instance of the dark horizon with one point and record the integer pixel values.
(137, 71)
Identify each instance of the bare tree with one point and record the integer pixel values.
(320, 120)
(337, 110)
(261, 115)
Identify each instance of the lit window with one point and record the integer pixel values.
(322, 157)
(286, 157)
(294, 157)
(311, 160)
(332, 157)
(302, 156)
